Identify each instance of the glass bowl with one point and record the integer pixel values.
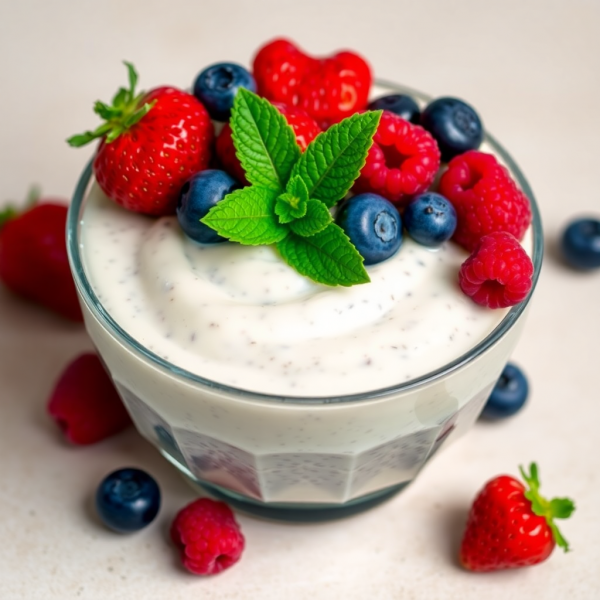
(296, 458)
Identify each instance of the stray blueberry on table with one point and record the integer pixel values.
(509, 394)
(127, 500)
(217, 85)
(400, 104)
(455, 126)
(373, 225)
(581, 243)
(198, 195)
(430, 219)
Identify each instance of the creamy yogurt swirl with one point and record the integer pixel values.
(239, 315)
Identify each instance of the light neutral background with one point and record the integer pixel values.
(532, 69)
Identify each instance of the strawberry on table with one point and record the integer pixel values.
(150, 145)
(328, 89)
(512, 526)
(33, 257)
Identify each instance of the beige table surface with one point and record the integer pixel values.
(532, 68)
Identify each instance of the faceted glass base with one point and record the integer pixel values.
(305, 512)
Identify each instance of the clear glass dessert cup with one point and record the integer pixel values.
(294, 458)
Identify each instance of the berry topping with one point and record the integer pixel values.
(328, 89)
(509, 394)
(305, 129)
(33, 258)
(217, 85)
(373, 225)
(455, 126)
(485, 197)
(85, 403)
(198, 195)
(512, 526)
(498, 273)
(430, 219)
(127, 500)
(402, 161)
(400, 104)
(208, 536)
(581, 243)
(151, 144)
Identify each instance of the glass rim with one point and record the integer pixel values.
(88, 295)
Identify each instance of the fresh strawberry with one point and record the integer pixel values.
(85, 403)
(33, 257)
(151, 144)
(328, 89)
(304, 127)
(510, 526)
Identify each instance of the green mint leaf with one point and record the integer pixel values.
(264, 142)
(335, 157)
(247, 216)
(327, 257)
(292, 203)
(317, 217)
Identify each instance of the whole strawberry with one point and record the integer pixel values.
(512, 526)
(150, 145)
(33, 257)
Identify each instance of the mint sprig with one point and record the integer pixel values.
(291, 193)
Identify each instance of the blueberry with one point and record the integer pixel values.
(127, 500)
(400, 104)
(455, 126)
(373, 225)
(430, 219)
(198, 195)
(217, 86)
(581, 243)
(509, 394)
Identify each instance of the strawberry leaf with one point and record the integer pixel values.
(333, 160)
(557, 508)
(327, 257)
(265, 143)
(247, 216)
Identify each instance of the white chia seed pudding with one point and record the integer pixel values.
(240, 316)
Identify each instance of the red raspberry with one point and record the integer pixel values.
(402, 161)
(85, 403)
(33, 258)
(485, 197)
(329, 89)
(208, 536)
(304, 127)
(498, 274)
